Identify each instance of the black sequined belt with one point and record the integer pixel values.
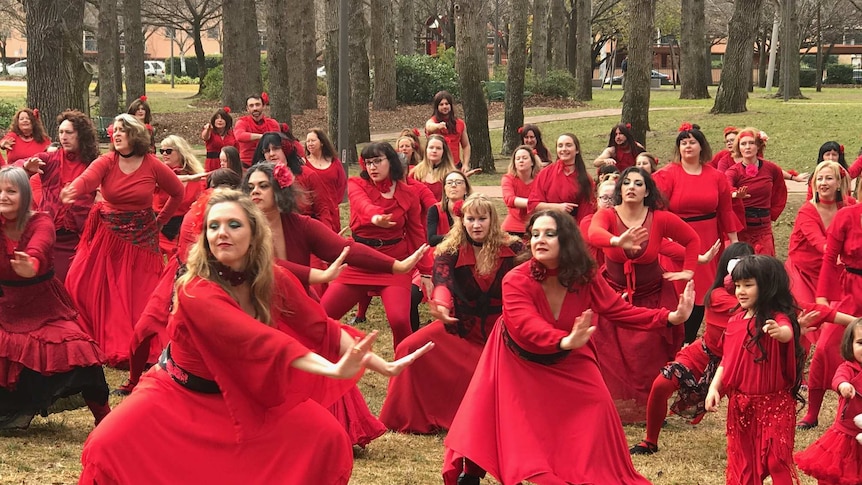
(213, 154)
(184, 377)
(848, 269)
(28, 282)
(544, 359)
(704, 217)
(377, 243)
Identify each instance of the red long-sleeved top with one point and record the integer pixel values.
(245, 127)
(766, 189)
(554, 186)
(517, 218)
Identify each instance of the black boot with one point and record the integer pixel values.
(464, 479)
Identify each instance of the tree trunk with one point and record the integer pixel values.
(738, 59)
(572, 39)
(330, 61)
(789, 38)
(292, 49)
(406, 30)
(276, 59)
(56, 77)
(471, 62)
(360, 84)
(200, 55)
(584, 64)
(557, 34)
(539, 48)
(308, 57)
(383, 56)
(241, 54)
(133, 33)
(637, 89)
(109, 102)
(515, 72)
(692, 60)
(762, 55)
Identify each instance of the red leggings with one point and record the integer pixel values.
(340, 298)
(662, 389)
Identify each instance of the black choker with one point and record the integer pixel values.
(235, 278)
(474, 243)
(130, 155)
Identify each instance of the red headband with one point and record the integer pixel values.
(748, 133)
(730, 129)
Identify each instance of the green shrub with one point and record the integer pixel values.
(838, 74)
(213, 83)
(420, 77)
(807, 78)
(447, 56)
(557, 84)
(7, 112)
(212, 61)
(495, 90)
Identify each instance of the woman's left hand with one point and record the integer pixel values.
(802, 177)
(356, 359)
(581, 332)
(470, 173)
(407, 264)
(685, 306)
(22, 265)
(683, 275)
(391, 369)
(710, 254)
(781, 333)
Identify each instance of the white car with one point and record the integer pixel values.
(154, 68)
(18, 69)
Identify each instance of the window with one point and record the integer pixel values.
(90, 42)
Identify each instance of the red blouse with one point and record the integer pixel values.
(517, 218)
(553, 185)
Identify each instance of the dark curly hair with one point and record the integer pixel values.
(38, 128)
(88, 145)
(577, 267)
(287, 199)
(283, 141)
(632, 145)
(654, 198)
(139, 103)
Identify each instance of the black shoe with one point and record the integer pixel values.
(17, 421)
(123, 390)
(644, 448)
(464, 479)
(803, 425)
(355, 320)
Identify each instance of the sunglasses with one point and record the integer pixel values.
(166, 151)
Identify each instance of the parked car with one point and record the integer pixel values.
(154, 68)
(18, 69)
(663, 78)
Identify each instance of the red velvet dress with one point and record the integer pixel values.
(170, 231)
(767, 199)
(535, 413)
(26, 149)
(436, 188)
(316, 200)
(761, 413)
(243, 129)
(214, 146)
(334, 182)
(703, 201)
(266, 423)
(517, 218)
(553, 185)
(39, 330)
(118, 264)
(425, 397)
(836, 457)
(631, 358)
(453, 139)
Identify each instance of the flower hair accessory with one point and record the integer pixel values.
(685, 127)
(629, 126)
(732, 264)
(226, 109)
(521, 130)
(265, 98)
(416, 132)
(457, 208)
(362, 164)
(841, 147)
(143, 98)
(36, 112)
(285, 128)
(282, 175)
(763, 137)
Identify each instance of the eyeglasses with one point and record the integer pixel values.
(166, 151)
(373, 162)
(454, 183)
(606, 198)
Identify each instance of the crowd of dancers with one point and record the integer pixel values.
(579, 310)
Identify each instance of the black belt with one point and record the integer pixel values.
(377, 243)
(756, 212)
(213, 154)
(704, 217)
(28, 282)
(855, 271)
(184, 377)
(544, 359)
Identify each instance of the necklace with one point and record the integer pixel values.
(235, 278)
(126, 155)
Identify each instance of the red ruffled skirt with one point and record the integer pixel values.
(835, 458)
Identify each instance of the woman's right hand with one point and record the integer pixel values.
(440, 312)
(631, 238)
(566, 207)
(709, 254)
(407, 264)
(354, 360)
(34, 165)
(685, 306)
(7, 143)
(383, 220)
(713, 399)
(846, 390)
(68, 194)
(581, 332)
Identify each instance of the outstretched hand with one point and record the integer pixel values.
(581, 332)
(334, 269)
(685, 306)
(407, 264)
(441, 312)
(22, 265)
(356, 359)
(711, 253)
(391, 369)
(631, 239)
(781, 333)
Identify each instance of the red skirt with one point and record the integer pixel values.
(64, 251)
(425, 396)
(835, 458)
(803, 285)
(111, 279)
(352, 413)
(164, 433)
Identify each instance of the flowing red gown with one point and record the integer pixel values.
(334, 180)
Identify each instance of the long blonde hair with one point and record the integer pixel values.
(477, 204)
(191, 164)
(259, 258)
(843, 181)
(439, 172)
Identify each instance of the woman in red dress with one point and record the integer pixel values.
(701, 196)
(760, 185)
(218, 404)
(631, 235)
(217, 134)
(322, 158)
(118, 264)
(537, 396)
(179, 157)
(516, 185)
(564, 185)
(140, 109)
(444, 122)
(647, 162)
(723, 160)
(433, 168)
(532, 137)
(26, 138)
(44, 354)
(468, 271)
(622, 149)
(78, 148)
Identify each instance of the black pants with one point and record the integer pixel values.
(36, 392)
(692, 325)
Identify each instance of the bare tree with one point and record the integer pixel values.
(515, 72)
(136, 83)
(383, 56)
(276, 59)
(583, 56)
(109, 102)
(241, 54)
(471, 62)
(540, 38)
(789, 49)
(360, 83)
(406, 27)
(307, 87)
(693, 54)
(330, 60)
(11, 19)
(557, 28)
(637, 91)
(738, 59)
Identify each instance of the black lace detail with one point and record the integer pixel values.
(691, 397)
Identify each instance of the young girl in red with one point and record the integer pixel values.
(836, 458)
(761, 372)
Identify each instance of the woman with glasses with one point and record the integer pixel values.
(178, 156)
(516, 185)
(630, 235)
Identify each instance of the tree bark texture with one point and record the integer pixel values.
(276, 59)
(738, 59)
(291, 27)
(637, 84)
(558, 24)
(57, 79)
(360, 83)
(539, 48)
(513, 117)
(109, 102)
(308, 57)
(471, 62)
(406, 28)
(789, 38)
(572, 38)
(200, 54)
(692, 60)
(241, 54)
(383, 56)
(584, 56)
(133, 33)
(330, 61)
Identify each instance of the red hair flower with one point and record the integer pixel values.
(416, 132)
(457, 208)
(629, 126)
(226, 109)
(285, 128)
(265, 98)
(841, 147)
(143, 98)
(282, 175)
(521, 130)
(685, 127)
(362, 164)
(36, 112)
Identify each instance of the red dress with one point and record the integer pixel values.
(39, 329)
(530, 409)
(761, 414)
(334, 181)
(631, 358)
(436, 188)
(452, 139)
(553, 185)
(26, 149)
(316, 199)
(249, 432)
(425, 397)
(243, 129)
(517, 218)
(767, 199)
(836, 457)
(118, 264)
(214, 146)
(703, 201)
